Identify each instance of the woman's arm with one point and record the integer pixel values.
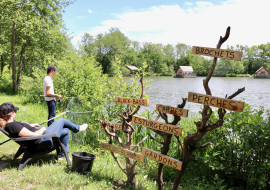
(27, 133)
(32, 125)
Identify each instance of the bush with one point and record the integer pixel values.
(241, 155)
(6, 85)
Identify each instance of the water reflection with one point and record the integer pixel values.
(170, 91)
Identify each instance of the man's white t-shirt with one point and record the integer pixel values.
(48, 82)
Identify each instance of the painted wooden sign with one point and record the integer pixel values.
(172, 110)
(117, 126)
(216, 102)
(167, 128)
(162, 158)
(220, 53)
(123, 152)
(132, 101)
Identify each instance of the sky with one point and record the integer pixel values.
(194, 23)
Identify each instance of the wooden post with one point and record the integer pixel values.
(203, 126)
(127, 149)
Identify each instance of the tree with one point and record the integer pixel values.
(128, 129)
(203, 126)
(34, 31)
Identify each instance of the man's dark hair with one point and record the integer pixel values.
(49, 70)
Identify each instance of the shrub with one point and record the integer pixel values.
(241, 155)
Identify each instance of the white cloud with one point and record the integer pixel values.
(200, 25)
(89, 10)
(188, 3)
(204, 3)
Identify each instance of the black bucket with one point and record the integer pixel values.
(82, 162)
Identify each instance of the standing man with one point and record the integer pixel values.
(48, 91)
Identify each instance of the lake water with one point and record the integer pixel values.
(170, 91)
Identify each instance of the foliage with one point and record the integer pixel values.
(6, 82)
(77, 77)
(241, 155)
(163, 60)
(30, 31)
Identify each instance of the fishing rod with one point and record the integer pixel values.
(54, 117)
(88, 99)
(59, 100)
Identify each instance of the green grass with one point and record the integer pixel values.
(47, 173)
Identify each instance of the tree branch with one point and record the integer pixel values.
(204, 145)
(137, 146)
(240, 90)
(105, 124)
(177, 137)
(138, 107)
(205, 81)
(118, 162)
(152, 138)
(116, 159)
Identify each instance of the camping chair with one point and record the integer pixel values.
(28, 154)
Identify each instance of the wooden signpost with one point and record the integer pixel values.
(220, 53)
(162, 158)
(117, 126)
(168, 129)
(171, 129)
(132, 101)
(216, 102)
(123, 152)
(172, 110)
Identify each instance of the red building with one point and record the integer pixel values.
(262, 73)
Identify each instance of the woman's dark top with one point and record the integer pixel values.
(14, 128)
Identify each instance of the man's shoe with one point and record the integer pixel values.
(82, 128)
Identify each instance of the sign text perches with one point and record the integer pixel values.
(132, 101)
(220, 53)
(162, 158)
(216, 102)
(172, 110)
(123, 152)
(167, 128)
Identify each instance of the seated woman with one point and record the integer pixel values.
(21, 129)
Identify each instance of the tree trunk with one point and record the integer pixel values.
(15, 87)
(2, 64)
(19, 74)
(131, 174)
(164, 151)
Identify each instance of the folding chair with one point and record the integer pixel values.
(28, 154)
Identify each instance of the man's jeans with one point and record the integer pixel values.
(51, 108)
(61, 127)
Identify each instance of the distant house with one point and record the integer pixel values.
(262, 73)
(185, 72)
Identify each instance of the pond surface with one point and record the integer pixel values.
(170, 91)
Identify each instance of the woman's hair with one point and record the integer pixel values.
(3, 120)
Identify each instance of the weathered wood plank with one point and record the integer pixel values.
(117, 126)
(220, 53)
(172, 129)
(216, 102)
(172, 110)
(162, 158)
(132, 101)
(123, 152)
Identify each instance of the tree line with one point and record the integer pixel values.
(163, 60)
(32, 35)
